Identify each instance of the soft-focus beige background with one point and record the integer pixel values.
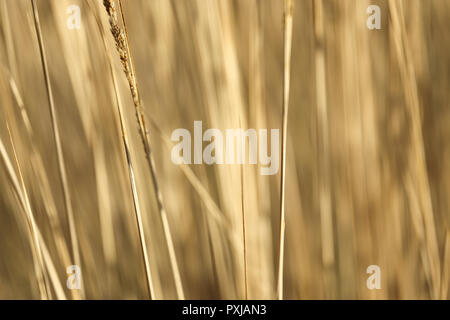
(368, 153)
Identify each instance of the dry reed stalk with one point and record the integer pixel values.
(74, 49)
(445, 279)
(288, 24)
(59, 151)
(244, 241)
(38, 166)
(29, 218)
(350, 189)
(49, 270)
(75, 52)
(418, 163)
(32, 221)
(257, 116)
(198, 186)
(326, 219)
(104, 199)
(216, 55)
(125, 143)
(122, 45)
(244, 238)
(9, 43)
(52, 273)
(210, 204)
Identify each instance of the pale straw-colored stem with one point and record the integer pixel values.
(59, 151)
(125, 143)
(18, 186)
(122, 44)
(288, 25)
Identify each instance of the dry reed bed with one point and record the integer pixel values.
(365, 147)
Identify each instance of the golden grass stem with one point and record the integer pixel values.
(48, 267)
(288, 25)
(151, 164)
(325, 205)
(445, 279)
(418, 164)
(123, 47)
(125, 143)
(47, 197)
(51, 270)
(244, 238)
(32, 222)
(29, 217)
(216, 214)
(59, 151)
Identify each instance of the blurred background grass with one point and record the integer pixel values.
(368, 153)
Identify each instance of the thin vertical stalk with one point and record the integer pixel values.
(418, 164)
(29, 218)
(288, 24)
(445, 279)
(244, 238)
(123, 47)
(38, 165)
(125, 143)
(326, 218)
(59, 151)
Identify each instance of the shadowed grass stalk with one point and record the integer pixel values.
(445, 279)
(10, 52)
(51, 270)
(325, 206)
(418, 165)
(59, 151)
(288, 24)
